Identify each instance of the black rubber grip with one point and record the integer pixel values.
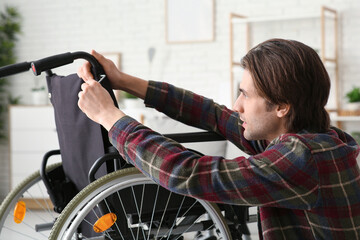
(48, 63)
(14, 68)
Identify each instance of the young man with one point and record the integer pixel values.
(301, 172)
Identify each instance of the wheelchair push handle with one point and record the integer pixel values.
(14, 68)
(58, 60)
(48, 63)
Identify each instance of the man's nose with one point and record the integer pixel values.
(238, 105)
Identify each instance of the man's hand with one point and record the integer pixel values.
(96, 103)
(118, 79)
(111, 71)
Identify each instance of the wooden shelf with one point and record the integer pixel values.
(349, 113)
(345, 116)
(275, 18)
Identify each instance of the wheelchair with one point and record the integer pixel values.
(95, 194)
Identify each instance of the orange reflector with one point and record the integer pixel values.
(19, 211)
(105, 222)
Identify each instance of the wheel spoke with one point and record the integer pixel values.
(159, 213)
(123, 208)
(39, 216)
(139, 214)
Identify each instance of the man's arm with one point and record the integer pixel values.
(260, 180)
(198, 111)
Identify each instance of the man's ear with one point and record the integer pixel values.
(282, 110)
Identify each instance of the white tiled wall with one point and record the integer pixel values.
(131, 27)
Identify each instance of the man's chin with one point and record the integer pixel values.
(250, 137)
(247, 136)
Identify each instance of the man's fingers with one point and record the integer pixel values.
(97, 55)
(83, 86)
(84, 71)
(80, 94)
(100, 58)
(91, 81)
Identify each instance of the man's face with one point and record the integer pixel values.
(259, 122)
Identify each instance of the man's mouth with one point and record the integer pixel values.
(244, 123)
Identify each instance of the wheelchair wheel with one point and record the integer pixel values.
(138, 209)
(36, 221)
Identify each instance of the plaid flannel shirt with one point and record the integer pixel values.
(307, 185)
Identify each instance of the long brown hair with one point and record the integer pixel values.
(290, 72)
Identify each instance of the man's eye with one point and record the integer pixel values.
(241, 92)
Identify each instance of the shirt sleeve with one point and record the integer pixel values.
(198, 111)
(279, 177)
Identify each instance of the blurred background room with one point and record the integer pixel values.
(192, 44)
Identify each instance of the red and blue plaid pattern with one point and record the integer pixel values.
(307, 185)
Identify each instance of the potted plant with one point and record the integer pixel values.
(356, 136)
(9, 30)
(39, 95)
(353, 97)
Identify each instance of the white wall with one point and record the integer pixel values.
(131, 27)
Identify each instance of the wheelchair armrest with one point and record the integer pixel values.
(43, 173)
(100, 161)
